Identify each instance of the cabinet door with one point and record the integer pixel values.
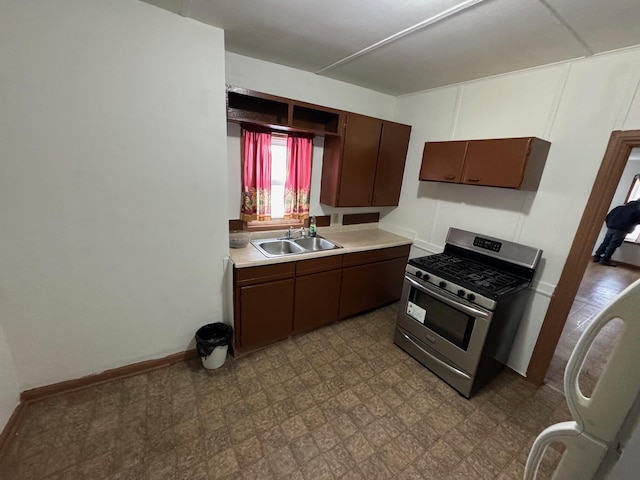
(443, 161)
(317, 298)
(392, 155)
(266, 313)
(496, 162)
(366, 287)
(359, 159)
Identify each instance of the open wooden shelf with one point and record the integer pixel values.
(315, 119)
(279, 113)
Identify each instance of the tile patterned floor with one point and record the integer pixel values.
(341, 402)
(600, 285)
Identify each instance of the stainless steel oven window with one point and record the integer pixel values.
(451, 324)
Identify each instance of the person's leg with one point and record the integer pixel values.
(617, 238)
(603, 246)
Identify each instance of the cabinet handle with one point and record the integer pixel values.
(449, 177)
(473, 179)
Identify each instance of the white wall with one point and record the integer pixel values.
(9, 391)
(114, 175)
(307, 87)
(113, 186)
(575, 105)
(626, 468)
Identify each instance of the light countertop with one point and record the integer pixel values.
(353, 238)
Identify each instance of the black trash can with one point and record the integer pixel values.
(212, 342)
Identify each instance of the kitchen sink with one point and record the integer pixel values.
(275, 248)
(278, 247)
(315, 243)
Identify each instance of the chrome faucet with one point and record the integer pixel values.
(289, 234)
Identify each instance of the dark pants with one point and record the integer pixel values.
(612, 240)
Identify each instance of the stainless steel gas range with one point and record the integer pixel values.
(460, 310)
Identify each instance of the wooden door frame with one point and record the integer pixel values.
(615, 159)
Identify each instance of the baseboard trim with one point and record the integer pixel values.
(41, 393)
(36, 394)
(630, 266)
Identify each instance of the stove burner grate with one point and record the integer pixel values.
(468, 272)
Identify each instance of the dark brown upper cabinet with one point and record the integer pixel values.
(364, 166)
(392, 155)
(443, 161)
(278, 113)
(500, 162)
(364, 157)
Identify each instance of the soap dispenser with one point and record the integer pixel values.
(312, 227)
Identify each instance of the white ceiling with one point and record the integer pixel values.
(403, 46)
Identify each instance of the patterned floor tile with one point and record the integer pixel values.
(342, 402)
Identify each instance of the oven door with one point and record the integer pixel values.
(450, 326)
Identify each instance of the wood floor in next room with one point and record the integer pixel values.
(341, 402)
(600, 285)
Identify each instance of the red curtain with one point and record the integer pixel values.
(256, 176)
(298, 183)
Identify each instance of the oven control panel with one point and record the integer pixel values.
(487, 244)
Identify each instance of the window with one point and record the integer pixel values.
(276, 177)
(278, 174)
(634, 194)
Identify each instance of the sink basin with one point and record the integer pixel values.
(315, 243)
(278, 247)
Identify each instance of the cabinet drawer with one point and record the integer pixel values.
(316, 265)
(371, 256)
(266, 273)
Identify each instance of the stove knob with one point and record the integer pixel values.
(425, 276)
(419, 274)
(471, 297)
(461, 293)
(443, 284)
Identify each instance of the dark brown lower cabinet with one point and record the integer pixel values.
(266, 313)
(317, 300)
(370, 286)
(371, 279)
(273, 302)
(263, 305)
(317, 292)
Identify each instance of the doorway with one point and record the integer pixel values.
(600, 285)
(615, 159)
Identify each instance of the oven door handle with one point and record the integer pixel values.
(457, 305)
(454, 370)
